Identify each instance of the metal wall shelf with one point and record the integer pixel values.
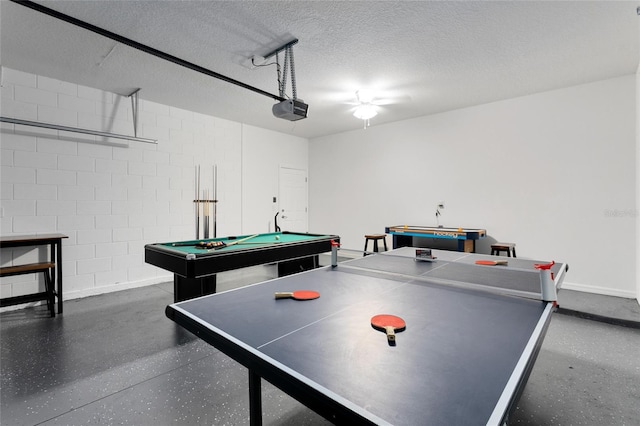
(75, 130)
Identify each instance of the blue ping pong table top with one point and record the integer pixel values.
(463, 359)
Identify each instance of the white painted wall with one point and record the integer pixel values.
(113, 197)
(637, 212)
(553, 172)
(263, 153)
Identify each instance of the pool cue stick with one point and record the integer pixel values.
(215, 198)
(209, 193)
(185, 244)
(235, 242)
(205, 196)
(196, 186)
(241, 240)
(199, 201)
(206, 212)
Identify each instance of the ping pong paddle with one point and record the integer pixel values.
(389, 324)
(297, 295)
(491, 262)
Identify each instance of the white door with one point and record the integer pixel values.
(293, 200)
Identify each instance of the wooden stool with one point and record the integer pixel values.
(375, 238)
(506, 247)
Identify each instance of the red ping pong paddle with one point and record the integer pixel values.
(389, 324)
(297, 295)
(491, 262)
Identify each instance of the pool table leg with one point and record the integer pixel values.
(302, 264)
(189, 288)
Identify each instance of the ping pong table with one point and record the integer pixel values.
(471, 339)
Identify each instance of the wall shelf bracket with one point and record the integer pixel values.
(134, 110)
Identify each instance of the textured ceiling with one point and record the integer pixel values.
(425, 57)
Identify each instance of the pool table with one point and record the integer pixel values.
(195, 268)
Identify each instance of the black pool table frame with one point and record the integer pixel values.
(194, 275)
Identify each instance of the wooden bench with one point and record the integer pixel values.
(32, 268)
(51, 270)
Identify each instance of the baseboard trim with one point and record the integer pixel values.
(605, 291)
(599, 318)
(79, 294)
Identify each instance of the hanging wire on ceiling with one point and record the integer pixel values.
(283, 80)
(294, 90)
(289, 64)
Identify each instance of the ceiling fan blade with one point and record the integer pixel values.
(381, 102)
(389, 100)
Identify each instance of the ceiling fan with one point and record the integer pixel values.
(367, 105)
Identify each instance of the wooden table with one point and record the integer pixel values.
(51, 269)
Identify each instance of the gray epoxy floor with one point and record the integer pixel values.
(116, 359)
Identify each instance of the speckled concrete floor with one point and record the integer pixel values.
(116, 359)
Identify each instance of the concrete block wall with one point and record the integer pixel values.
(111, 197)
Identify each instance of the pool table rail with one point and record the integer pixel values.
(170, 258)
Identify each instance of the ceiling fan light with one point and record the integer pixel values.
(365, 112)
(364, 96)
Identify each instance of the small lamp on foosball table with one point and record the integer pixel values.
(439, 206)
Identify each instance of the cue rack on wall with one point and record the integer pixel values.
(208, 200)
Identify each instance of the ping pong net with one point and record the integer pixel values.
(520, 278)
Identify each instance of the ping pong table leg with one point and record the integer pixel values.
(255, 399)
